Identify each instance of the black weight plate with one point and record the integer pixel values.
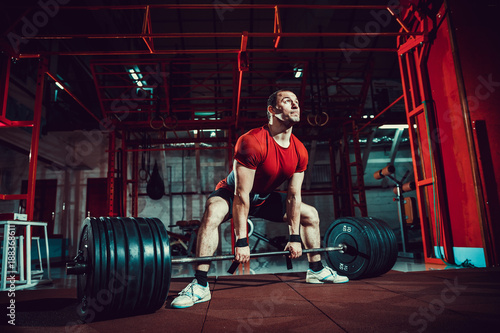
(377, 241)
(101, 294)
(88, 284)
(119, 278)
(129, 267)
(157, 269)
(113, 289)
(354, 222)
(162, 263)
(97, 275)
(388, 246)
(133, 265)
(101, 297)
(148, 267)
(374, 246)
(84, 242)
(392, 245)
(356, 258)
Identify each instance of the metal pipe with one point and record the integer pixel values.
(54, 77)
(203, 51)
(35, 139)
(211, 6)
(161, 35)
(381, 113)
(341, 248)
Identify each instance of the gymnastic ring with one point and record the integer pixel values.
(160, 118)
(309, 116)
(175, 121)
(318, 117)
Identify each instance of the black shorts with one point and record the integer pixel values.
(273, 208)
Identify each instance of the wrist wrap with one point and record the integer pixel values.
(243, 242)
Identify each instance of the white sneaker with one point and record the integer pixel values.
(192, 294)
(327, 275)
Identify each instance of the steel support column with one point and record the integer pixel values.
(111, 173)
(4, 87)
(35, 137)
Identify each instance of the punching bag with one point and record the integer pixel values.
(155, 188)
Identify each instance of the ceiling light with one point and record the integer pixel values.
(298, 72)
(136, 76)
(59, 85)
(392, 126)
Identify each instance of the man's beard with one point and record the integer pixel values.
(290, 121)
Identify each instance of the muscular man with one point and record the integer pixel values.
(264, 158)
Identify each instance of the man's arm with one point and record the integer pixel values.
(244, 178)
(293, 202)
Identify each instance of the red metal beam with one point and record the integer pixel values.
(35, 136)
(204, 51)
(111, 173)
(124, 176)
(242, 67)
(147, 29)
(277, 34)
(277, 27)
(53, 77)
(380, 113)
(212, 7)
(13, 196)
(176, 148)
(4, 85)
(148, 36)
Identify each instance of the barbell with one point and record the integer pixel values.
(123, 265)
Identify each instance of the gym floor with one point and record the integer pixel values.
(412, 297)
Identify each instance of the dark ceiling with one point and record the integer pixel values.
(188, 56)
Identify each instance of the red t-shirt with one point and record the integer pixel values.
(272, 163)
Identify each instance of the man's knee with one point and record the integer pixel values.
(309, 215)
(216, 210)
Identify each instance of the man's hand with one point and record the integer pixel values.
(242, 254)
(295, 249)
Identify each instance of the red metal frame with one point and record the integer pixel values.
(111, 173)
(436, 229)
(353, 170)
(4, 88)
(124, 175)
(147, 29)
(35, 134)
(4, 92)
(244, 99)
(148, 37)
(69, 92)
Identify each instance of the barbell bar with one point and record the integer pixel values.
(186, 260)
(235, 264)
(123, 265)
(79, 266)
